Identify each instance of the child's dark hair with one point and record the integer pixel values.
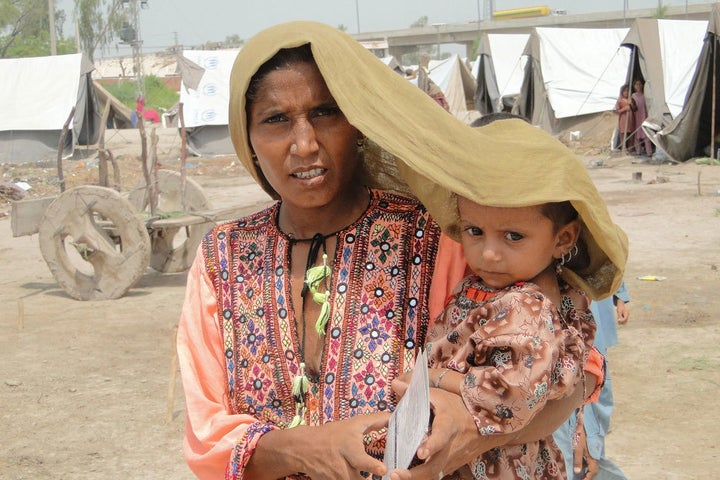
(560, 214)
(491, 117)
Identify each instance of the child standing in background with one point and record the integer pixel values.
(639, 107)
(626, 120)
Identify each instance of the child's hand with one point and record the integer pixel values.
(622, 312)
(582, 460)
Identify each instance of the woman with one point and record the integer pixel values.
(643, 145)
(297, 318)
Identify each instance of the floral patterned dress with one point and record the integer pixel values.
(517, 351)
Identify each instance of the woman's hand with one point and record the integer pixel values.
(334, 450)
(454, 439)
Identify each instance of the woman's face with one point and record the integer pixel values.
(305, 146)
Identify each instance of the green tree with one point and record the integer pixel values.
(233, 41)
(25, 29)
(99, 21)
(420, 22)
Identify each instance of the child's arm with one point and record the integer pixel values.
(447, 379)
(511, 362)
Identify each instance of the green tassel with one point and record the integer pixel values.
(298, 419)
(301, 384)
(323, 318)
(313, 277)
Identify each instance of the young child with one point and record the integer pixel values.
(514, 334)
(626, 120)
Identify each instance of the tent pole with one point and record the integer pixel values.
(713, 153)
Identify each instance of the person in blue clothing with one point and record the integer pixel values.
(608, 314)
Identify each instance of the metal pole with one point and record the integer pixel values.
(136, 47)
(625, 7)
(51, 16)
(357, 15)
(479, 17)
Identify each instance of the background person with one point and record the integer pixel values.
(643, 145)
(626, 119)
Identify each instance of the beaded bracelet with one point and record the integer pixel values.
(439, 378)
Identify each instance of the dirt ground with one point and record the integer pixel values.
(87, 389)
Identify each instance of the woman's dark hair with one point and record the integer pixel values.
(282, 59)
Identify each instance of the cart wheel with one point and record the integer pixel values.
(173, 248)
(94, 243)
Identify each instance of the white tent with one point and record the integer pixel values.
(665, 55)
(457, 83)
(394, 64)
(205, 108)
(499, 70)
(571, 72)
(37, 95)
(689, 133)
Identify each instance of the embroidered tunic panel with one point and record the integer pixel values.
(379, 284)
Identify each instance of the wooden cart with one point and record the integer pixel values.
(98, 243)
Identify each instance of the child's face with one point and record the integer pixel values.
(507, 245)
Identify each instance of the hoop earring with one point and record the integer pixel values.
(573, 251)
(361, 142)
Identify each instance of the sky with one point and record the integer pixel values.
(195, 22)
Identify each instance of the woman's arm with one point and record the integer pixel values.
(211, 432)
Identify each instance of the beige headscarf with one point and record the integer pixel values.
(507, 163)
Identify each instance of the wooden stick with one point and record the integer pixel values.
(155, 192)
(713, 153)
(183, 156)
(173, 376)
(145, 169)
(61, 144)
(699, 188)
(21, 314)
(102, 158)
